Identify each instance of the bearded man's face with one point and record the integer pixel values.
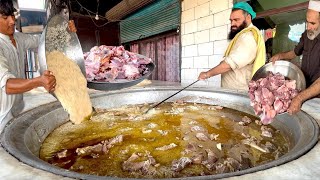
(312, 34)
(313, 24)
(234, 30)
(238, 22)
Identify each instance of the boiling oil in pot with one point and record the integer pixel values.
(176, 140)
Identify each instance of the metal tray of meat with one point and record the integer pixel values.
(120, 83)
(286, 68)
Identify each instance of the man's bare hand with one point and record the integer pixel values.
(295, 105)
(48, 81)
(203, 76)
(72, 26)
(275, 58)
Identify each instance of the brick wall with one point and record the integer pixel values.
(204, 29)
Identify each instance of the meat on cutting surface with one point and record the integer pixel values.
(108, 63)
(271, 95)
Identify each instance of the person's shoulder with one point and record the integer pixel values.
(250, 29)
(24, 38)
(254, 27)
(19, 35)
(304, 34)
(249, 33)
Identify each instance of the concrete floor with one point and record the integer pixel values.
(305, 167)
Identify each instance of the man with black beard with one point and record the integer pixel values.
(245, 53)
(235, 30)
(309, 47)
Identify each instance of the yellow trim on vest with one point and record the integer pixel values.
(261, 51)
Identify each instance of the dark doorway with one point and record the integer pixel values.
(164, 50)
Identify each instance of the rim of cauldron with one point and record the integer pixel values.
(32, 160)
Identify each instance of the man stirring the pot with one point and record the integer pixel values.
(245, 54)
(309, 47)
(13, 46)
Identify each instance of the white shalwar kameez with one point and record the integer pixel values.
(12, 65)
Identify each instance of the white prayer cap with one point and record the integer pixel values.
(314, 5)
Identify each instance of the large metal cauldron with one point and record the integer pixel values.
(24, 136)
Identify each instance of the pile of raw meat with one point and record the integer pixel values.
(271, 95)
(107, 63)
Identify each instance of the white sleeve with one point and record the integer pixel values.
(6, 101)
(29, 41)
(243, 52)
(4, 72)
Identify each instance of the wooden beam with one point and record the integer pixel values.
(124, 8)
(296, 7)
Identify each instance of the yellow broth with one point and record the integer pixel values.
(171, 123)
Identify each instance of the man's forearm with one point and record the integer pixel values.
(220, 69)
(310, 92)
(17, 85)
(287, 55)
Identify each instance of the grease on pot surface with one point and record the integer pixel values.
(176, 140)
